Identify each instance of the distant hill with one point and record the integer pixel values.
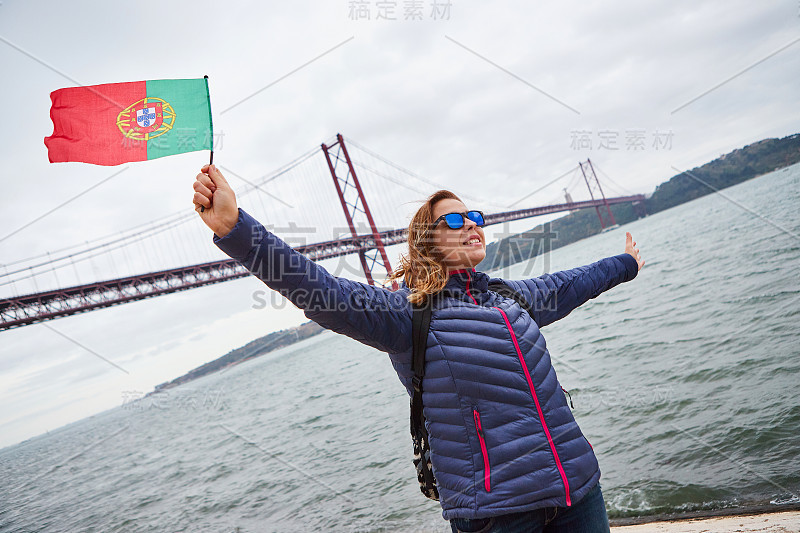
(260, 346)
(730, 169)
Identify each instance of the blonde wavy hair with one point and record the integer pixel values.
(422, 268)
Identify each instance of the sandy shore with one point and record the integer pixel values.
(785, 522)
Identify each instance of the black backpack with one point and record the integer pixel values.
(420, 324)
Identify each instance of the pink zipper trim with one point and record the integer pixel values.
(469, 277)
(479, 429)
(538, 407)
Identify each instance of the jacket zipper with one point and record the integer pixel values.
(538, 407)
(479, 430)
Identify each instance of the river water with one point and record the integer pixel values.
(684, 380)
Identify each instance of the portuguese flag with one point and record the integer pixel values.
(115, 123)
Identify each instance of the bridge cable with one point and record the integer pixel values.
(542, 187)
(621, 188)
(437, 186)
(177, 215)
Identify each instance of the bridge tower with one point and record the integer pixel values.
(355, 206)
(593, 184)
(568, 198)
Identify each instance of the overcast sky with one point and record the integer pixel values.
(492, 100)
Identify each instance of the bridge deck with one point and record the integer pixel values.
(42, 306)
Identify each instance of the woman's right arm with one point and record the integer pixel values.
(372, 315)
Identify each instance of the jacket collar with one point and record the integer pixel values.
(459, 279)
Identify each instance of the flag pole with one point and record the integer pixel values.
(211, 125)
(210, 121)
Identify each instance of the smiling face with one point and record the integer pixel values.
(460, 248)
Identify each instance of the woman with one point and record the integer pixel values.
(506, 451)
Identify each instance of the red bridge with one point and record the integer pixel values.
(47, 305)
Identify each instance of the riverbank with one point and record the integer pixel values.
(768, 522)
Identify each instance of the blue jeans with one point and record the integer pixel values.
(586, 516)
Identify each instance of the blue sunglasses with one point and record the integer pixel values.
(457, 220)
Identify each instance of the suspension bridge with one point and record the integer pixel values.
(49, 286)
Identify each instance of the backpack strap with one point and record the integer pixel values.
(420, 322)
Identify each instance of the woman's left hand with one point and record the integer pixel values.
(630, 248)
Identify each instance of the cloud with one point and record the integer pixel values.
(400, 88)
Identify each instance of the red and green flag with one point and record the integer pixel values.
(115, 123)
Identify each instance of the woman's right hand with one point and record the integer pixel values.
(217, 199)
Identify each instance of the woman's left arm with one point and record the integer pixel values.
(554, 296)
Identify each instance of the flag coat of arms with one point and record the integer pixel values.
(115, 123)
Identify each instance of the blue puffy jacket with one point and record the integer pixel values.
(503, 439)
